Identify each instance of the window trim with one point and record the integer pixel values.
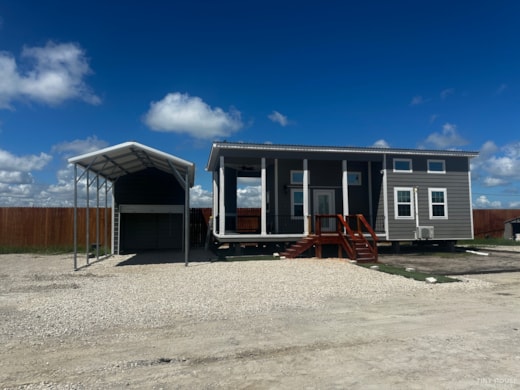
(408, 160)
(396, 203)
(293, 216)
(437, 161)
(431, 203)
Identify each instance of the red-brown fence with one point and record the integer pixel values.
(490, 222)
(26, 227)
(49, 227)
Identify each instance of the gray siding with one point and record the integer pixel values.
(456, 183)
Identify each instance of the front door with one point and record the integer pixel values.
(324, 204)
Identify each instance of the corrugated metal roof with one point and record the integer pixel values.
(130, 157)
(285, 149)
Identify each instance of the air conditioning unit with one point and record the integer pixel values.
(424, 232)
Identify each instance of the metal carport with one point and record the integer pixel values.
(111, 164)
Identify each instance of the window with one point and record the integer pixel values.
(354, 178)
(296, 203)
(436, 166)
(296, 177)
(403, 199)
(402, 165)
(438, 203)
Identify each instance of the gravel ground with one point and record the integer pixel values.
(87, 329)
(102, 296)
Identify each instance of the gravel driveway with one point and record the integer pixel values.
(254, 324)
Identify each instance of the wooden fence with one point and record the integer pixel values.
(26, 227)
(489, 223)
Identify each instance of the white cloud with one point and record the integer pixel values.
(79, 146)
(447, 92)
(10, 162)
(199, 197)
(447, 139)
(249, 196)
(482, 202)
(493, 181)
(381, 143)
(417, 100)
(55, 74)
(276, 117)
(181, 113)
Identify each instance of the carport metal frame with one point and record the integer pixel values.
(114, 162)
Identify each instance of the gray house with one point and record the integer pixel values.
(380, 194)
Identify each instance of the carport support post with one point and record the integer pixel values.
(186, 218)
(87, 219)
(75, 217)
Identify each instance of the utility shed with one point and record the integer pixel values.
(512, 229)
(150, 196)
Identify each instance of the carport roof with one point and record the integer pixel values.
(130, 157)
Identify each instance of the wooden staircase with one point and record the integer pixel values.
(353, 242)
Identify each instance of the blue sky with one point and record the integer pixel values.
(79, 76)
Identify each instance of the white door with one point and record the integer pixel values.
(324, 204)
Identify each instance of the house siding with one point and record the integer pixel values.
(458, 223)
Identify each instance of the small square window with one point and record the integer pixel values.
(402, 165)
(436, 166)
(296, 177)
(354, 178)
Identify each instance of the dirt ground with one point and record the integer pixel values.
(452, 339)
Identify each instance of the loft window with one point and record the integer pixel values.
(436, 166)
(402, 165)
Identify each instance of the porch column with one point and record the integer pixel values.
(306, 212)
(263, 221)
(222, 207)
(215, 203)
(385, 196)
(344, 186)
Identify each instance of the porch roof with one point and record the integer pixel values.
(237, 149)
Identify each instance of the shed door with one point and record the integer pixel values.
(142, 231)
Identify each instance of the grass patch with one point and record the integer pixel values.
(415, 275)
(489, 242)
(57, 250)
(248, 258)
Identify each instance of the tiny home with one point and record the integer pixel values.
(400, 194)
